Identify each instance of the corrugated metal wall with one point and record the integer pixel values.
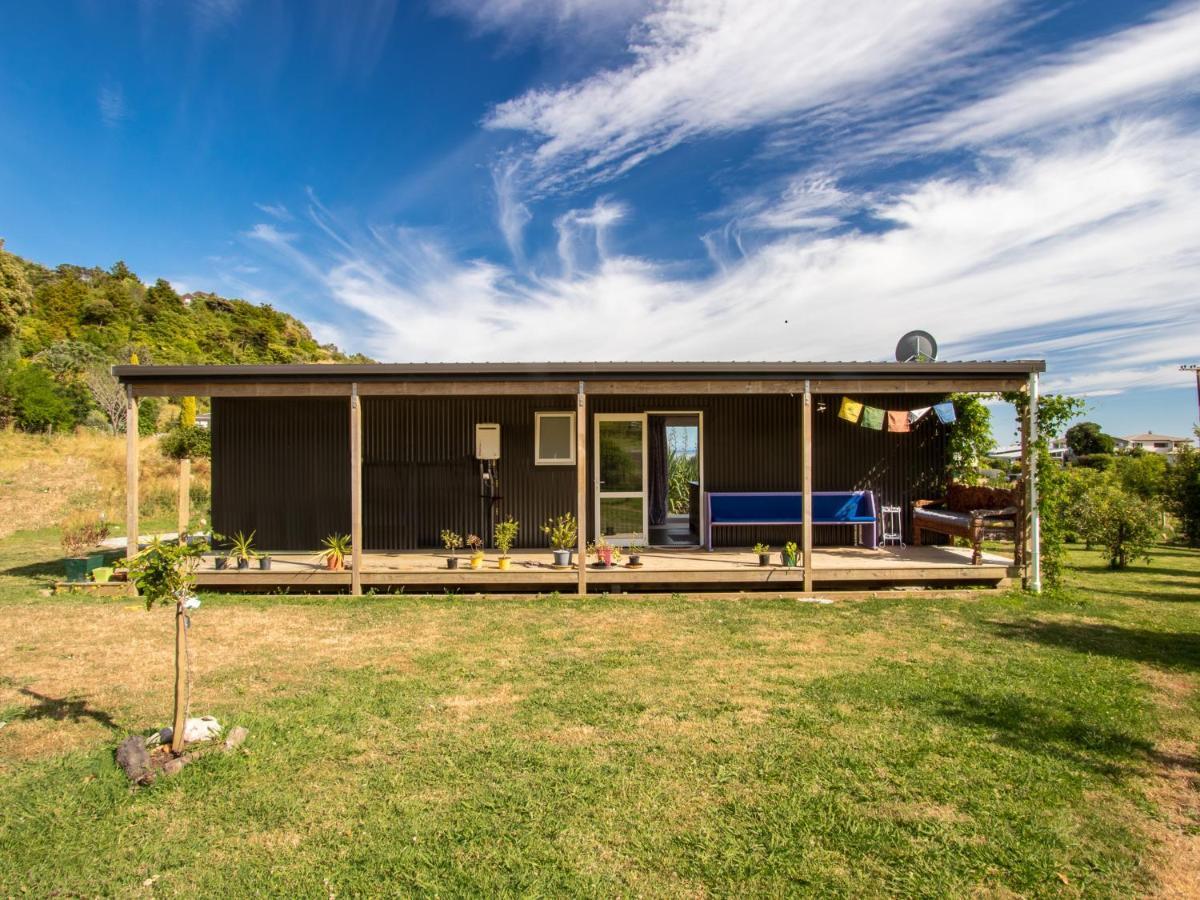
(281, 466)
(420, 474)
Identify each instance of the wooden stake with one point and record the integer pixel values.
(181, 698)
(581, 485)
(131, 474)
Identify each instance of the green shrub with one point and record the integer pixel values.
(186, 443)
(38, 402)
(1122, 525)
(1181, 486)
(149, 411)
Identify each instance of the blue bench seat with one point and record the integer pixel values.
(855, 508)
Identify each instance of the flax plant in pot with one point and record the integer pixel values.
(506, 536)
(243, 549)
(337, 548)
(451, 540)
(563, 533)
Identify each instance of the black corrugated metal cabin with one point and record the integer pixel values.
(393, 454)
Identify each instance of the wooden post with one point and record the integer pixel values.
(806, 467)
(355, 491)
(181, 698)
(185, 498)
(131, 473)
(581, 485)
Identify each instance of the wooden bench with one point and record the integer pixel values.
(974, 513)
(759, 508)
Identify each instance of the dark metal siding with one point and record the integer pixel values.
(420, 474)
(281, 468)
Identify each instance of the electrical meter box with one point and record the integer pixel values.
(487, 440)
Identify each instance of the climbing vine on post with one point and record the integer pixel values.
(1054, 412)
(969, 440)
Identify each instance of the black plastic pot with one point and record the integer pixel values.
(264, 562)
(764, 559)
(243, 563)
(452, 562)
(221, 562)
(635, 559)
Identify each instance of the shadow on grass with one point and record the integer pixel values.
(63, 708)
(49, 568)
(1166, 649)
(1040, 729)
(1168, 593)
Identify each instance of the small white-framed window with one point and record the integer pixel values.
(554, 438)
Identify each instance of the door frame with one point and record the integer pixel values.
(699, 414)
(597, 418)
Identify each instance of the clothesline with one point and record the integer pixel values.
(898, 420)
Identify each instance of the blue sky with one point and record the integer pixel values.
(564, 179)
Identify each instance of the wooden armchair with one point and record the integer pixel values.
(974, 513)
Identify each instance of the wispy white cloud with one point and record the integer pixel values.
(526, 18)
(111, 102)
(512, 215)
(1156, 60)
(276, 211)
(704, 67)
(1084, 251)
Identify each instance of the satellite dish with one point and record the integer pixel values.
(916, 346)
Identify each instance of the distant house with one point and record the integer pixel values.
(1162, 444)
(203, 420)
(1058, 450)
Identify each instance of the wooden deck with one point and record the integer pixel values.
(661, 570)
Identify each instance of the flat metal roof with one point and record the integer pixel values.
(536, 371)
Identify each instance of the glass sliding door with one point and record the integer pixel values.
(620, 472)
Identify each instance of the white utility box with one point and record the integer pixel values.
(487, 440)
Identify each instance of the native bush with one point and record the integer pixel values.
(182, 442)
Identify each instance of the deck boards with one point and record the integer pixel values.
(661, 570)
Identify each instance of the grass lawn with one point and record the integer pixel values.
(995, 745)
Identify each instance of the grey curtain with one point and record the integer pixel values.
(656, 444)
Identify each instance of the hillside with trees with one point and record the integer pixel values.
(61, 328)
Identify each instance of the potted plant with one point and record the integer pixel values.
(475, 545)
(242, 550)
(337, 547)
(264, 560)
(451, 540)
(764, 554)
(80, 533)
(102, 574)
(635, 557)
(606, 554)
(789, 554)
(506, 536)
(563, 533)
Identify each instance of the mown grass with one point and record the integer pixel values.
(542, 746)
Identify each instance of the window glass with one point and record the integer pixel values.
(555, 438)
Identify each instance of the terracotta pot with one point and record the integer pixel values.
(334, 565)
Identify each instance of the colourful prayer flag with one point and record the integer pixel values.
(850, 410)
(872, 418)
(945, 412)
(915, 415)
(897, 420)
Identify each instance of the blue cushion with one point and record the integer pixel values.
(828, 509)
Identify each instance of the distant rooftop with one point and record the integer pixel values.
(1151, 436)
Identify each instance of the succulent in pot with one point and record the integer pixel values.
(563, 532)
(764, 554)
(635, 557)
(451, 540)
(506, 536)
(475, 545)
